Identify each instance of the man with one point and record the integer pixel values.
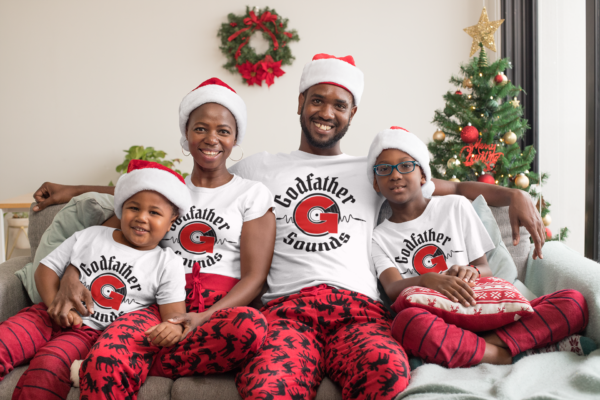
(322, 303)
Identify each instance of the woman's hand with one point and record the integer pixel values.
(452, 287)
(52, 193)
(164, 334)
(70, 295)
(465, 272)
(190, 321)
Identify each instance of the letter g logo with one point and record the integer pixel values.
(317, 215)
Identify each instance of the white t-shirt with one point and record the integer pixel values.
(120, 279)
(210, 232)
(326, 212)
(448, 233)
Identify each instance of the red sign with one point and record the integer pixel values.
(486, 153)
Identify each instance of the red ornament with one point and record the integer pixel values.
(500, 79)
(233, 24)
(548, 233)
(486, 178)
(458, 92)
(469, 134)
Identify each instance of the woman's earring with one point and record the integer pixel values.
(241, 156)
(184, 153)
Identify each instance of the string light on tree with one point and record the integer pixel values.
(439, 136)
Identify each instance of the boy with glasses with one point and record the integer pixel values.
(444, 235)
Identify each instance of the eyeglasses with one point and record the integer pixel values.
(405, 167)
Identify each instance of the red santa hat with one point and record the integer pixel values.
(213, 90)
(147, 175)
(401, 139)
(338, 71)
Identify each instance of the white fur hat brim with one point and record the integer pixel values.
(407, 142)
(333, 70)
(156, 180)
(213, 94)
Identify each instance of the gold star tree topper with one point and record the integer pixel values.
(483, 32)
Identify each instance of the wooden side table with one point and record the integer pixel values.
(16, 204)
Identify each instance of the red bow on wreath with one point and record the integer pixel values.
(255, 23)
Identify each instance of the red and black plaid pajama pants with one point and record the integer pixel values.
(556, 316)
(229, 338)
(31, 336)
(326, 331)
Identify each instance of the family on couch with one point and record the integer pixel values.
(303, 221)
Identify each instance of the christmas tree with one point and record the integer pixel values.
(479, 129)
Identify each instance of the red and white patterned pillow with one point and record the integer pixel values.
(498, 303)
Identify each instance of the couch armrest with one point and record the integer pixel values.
(13, 297)
(564, 268)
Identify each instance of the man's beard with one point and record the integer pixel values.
(322, 145)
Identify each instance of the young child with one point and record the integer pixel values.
(440, 243)
(124, 271)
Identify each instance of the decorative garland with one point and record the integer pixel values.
(256, 68)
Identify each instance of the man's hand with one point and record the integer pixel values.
(522, 212)
(465, 272)
(189, 321)
(52, 193)
(164, 334)
(75, 319)
(70, 295)
(452, 287)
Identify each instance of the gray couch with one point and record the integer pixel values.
(13, 298)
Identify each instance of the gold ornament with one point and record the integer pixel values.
(454, 179)
(515, 103)
(483, 32)
(522, 181)
(547, 220)
(439, 136)
(467, 84)
(453, 162)
(510, 137)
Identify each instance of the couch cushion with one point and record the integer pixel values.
(13, 297)
(81, 212)
(8, 384)
(520, 252)
(155, 388)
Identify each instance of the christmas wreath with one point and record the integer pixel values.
(256, 68)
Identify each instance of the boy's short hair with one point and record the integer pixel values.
(401, 139)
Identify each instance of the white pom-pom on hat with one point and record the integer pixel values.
(213, 90)
(147, 175)
(338, 71)
(401, 139)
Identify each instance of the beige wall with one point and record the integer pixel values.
(82, 80)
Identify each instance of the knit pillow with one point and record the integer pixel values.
(498, 303)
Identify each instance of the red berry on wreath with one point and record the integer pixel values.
(233, 24)
(469, 134)
(486, 178)
(548, 233)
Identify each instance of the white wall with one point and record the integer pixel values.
(80, 81)
(562, 113)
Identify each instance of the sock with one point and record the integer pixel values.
(577, 344)
(415, 362)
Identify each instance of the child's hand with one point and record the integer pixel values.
(164, 334)
(465, 272)
(190, 321)
(75, 320)
(454, 288)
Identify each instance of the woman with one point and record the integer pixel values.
(226, 242)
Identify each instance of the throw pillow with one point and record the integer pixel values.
(498, 303)
(81, 212)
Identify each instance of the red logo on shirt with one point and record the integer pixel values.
(429, 258)
(317, 215)
(197, 238)
(108, 291)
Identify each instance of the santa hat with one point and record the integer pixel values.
(213, 90)
(147, 175)
(401, 139)
(338, 71)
